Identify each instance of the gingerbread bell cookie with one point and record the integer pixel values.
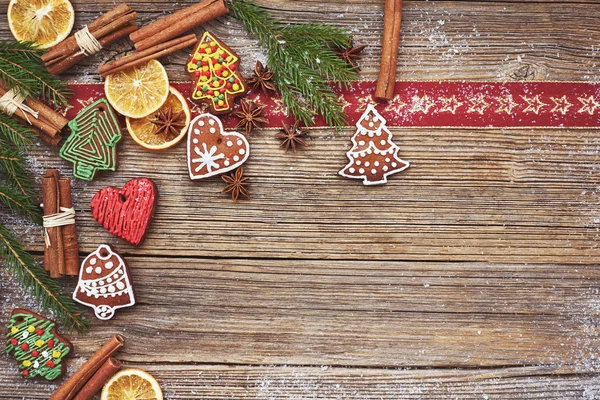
(216, 79)
(104, 283)
(33, 341)
(126, 212)
(373, 156)
(92, 145)
(211, 150)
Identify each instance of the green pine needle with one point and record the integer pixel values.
(303, 62)
(12, 164)
(18, 202)
(44, 289)
(14, 132)
(22, 69)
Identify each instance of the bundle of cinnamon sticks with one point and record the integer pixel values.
(92, 375)
(45, 122)
(61, 253)
(174, 25)
(108, 28)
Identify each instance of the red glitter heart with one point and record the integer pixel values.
(126, 212)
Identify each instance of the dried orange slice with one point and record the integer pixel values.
(146, 131)
(131, 384)
(138, 91)
(45, 22)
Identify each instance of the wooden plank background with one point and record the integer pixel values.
(472, 275)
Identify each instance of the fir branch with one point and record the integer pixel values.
(24, 71)
(16, 133)
(12, 163)
(26, 49)
(17, 201)
(31, 276)
(302, 61)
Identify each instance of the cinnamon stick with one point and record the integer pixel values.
(160, 50)
(53, 253)
(69, 45)
(178, 23)
(73, 385)
(39, 123)
(51, 116)
(389, 53)
(69, 232)
(66, 63)
(93, 386)
(52, 141)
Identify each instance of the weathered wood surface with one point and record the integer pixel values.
(472, 275)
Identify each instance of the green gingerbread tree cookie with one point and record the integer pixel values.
(33, 341)
(92, 145)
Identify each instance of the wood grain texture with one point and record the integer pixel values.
(474, 274)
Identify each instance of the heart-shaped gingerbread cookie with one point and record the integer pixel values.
(126, 212)
(211, 150)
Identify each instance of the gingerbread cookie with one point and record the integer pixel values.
(126, 212)
(92, 145)
(33, 341)
(373, 156)
(211, 150)
(214, 70)
(104, 283)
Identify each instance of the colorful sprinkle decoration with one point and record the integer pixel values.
(92, 145)
(32, 340)
(214, 69)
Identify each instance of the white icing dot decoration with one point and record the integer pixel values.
(361, 143)
(229, 143)
(98, 270)
(378, 133)
(120, 285)
(394, 164)
(100, 283)
(367, 163)
(387, 159)
(226, 163)
(102, 290)
(371, 134)
(109, 265)
(239, 142)
(352, 170)
(89, 270)
(371, 124)
(201, 123)
(383, 142)
(358, 162)
(196, 131)
(109, 280)
(373, 171)
(111, 289)
(93, 284)
(236, 158)
(36, 365)
(211, 121)
(25, 335)
(212, 130)
(385, 168)
(362, 171)
(45, 354)
(242, 151)
(93, 261)
(195, 141)
(369, 151)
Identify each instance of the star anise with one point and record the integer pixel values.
(236, 184)
(251, 116)
(292, 136)
(169, 124)
(262, 78)
(351, 54)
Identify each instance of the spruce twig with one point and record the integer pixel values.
(303, 62)
(32, 276)
(11, 162)
(19, 202)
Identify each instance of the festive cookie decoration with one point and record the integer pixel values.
(373, 156)
(33, 341)
(92, 145)
(214, 68)
(104, 283)
(126, 212)
(212, 151)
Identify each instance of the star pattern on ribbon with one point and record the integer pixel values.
(562, 105)
(396, 105)
(589, 105)
(364, 102)
(421, 104)
(534, 104)
(86, 102)
(507, 104)
(343, 102)
(280, 108)
(450, 104)
(478, 104)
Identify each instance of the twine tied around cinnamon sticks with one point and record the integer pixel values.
(12, 101)
(88, 44)
(63, 218)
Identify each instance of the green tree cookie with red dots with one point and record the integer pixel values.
(214, 71)
(33, 341)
